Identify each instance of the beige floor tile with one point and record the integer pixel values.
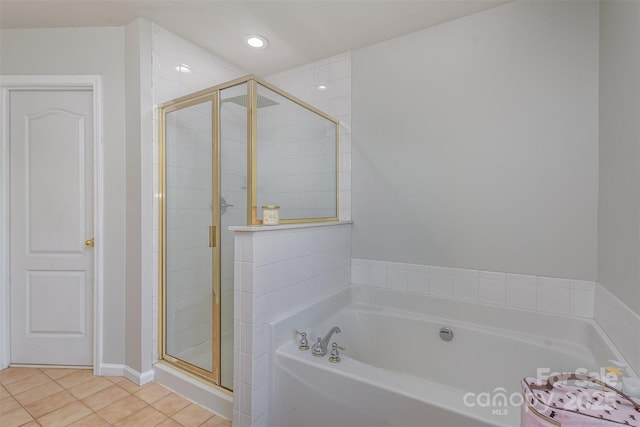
(9, 375)
(55, 373)
(65, 415)
(170, 422)
(192, 415)
(4, 393)
(87, 388)
(16, 418)
(8, 404)
(27, 383)
(170, 404)
(121, 408)
(92, 420)
(75, 378)
(151, 392)
(105, 397)
(146, 417)
(38, 393)
(216, 422)
(50, 404)
(31, 397)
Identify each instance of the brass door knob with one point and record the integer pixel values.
(90, 242)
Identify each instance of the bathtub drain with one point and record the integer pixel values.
(446, 334)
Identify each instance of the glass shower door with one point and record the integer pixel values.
(191, 218)
(216, 145)
(233, 187)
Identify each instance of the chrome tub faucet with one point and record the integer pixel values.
(319, 349)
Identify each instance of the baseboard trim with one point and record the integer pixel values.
(138, 377)
(110, 370)
(118, 370)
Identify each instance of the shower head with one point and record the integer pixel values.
(241, 100)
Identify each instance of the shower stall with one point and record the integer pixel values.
(225, 152)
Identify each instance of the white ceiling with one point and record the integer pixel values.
(299, 31)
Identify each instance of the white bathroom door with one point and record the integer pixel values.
(51, 185)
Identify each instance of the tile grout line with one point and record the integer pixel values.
(131, 390)
(66, 389)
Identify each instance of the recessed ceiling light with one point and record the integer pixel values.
(256, 41)
(183, 68)
(323, 86)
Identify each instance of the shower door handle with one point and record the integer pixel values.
(212, 236)
(224, 205)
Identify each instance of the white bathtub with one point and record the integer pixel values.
(397, 371)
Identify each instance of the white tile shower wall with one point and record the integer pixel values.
(189, 214)
(200, 69)
(335, 74)
(620, 323)
(233, 187)
(551, 295)
(296, 159)
(180, 67)
(278, 272)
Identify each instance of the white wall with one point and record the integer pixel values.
(139, 261)
(475, 143)
(618, 299)
(619, 207)
(89, 51)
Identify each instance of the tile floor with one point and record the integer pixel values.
(74, 397)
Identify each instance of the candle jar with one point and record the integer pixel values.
(270, 215)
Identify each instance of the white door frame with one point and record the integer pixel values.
(14, 83)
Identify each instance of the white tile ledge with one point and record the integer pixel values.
(259, 228)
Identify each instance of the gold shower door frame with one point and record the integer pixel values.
(252, 151)
(214, 236)
(213, 94)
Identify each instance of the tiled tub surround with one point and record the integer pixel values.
(544, 294)
(410, 376)
(279, 270)
(621, 324)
